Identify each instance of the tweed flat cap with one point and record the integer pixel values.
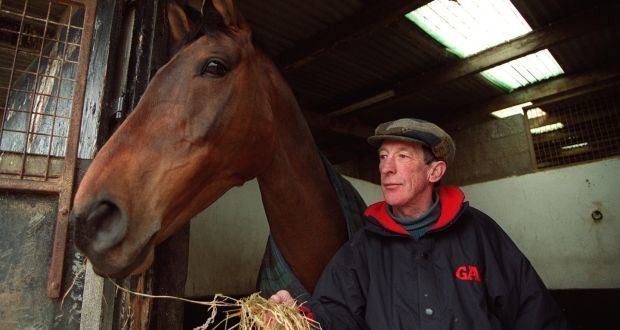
(419, 131)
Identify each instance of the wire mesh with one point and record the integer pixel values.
(580, 129)
(39, 54)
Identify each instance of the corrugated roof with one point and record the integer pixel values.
(589, 51)
(279, 23)
(540, 13)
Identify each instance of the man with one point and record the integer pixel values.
(426, 259)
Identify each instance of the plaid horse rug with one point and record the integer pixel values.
(275, 274)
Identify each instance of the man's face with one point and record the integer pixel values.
(405, 177)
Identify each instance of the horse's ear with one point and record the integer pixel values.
(179, 25)
(228, 10)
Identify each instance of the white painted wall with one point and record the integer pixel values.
(228, 239)
(546, 213)
(227, 242)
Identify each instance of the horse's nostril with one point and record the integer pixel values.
(106, 225)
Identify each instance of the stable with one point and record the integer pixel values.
(205, 166)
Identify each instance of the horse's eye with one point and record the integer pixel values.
(214, 68)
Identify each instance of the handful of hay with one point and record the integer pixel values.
(253, 312)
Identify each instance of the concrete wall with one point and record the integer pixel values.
(546, 213)
(27, 222)
(490, 150)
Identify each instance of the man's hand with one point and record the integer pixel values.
(282, 297)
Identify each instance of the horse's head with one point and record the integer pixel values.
(203, 125)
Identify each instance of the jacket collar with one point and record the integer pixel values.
(452, 202)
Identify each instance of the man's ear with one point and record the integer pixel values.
(179, 25)
(436, 171)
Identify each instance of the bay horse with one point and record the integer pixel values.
(218, 114)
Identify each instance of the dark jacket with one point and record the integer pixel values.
(464, 273)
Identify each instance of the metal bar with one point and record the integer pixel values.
(40, 187)
(49, 149)
(33, 177)
(37, 134)
(41, 37)
(41, 113)
(43, 94)
(43, 75)
(27, 16)
(68, 177)
(25, 50)
(49, 146)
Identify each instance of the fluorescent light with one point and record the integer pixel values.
(547, 128)
(511, 111)
(575, 146)
(518, 110)
(535, 113)
(467, 27)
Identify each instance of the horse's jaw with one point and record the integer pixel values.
(141, 264)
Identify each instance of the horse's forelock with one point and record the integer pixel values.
(209, 23)
(213, 22)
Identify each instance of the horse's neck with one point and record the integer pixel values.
(304, 216)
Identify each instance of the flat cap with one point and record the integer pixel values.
(418, 131)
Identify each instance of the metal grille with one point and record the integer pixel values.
(39, 54)
(44, 50)
(575, 130)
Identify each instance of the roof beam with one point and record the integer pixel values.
(590, 81)
(575, 26)
(376, 14)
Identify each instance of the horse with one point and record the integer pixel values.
(218, 114)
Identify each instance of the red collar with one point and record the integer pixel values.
(451, 199)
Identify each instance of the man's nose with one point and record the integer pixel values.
(387, 165)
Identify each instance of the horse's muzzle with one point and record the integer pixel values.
(99, 228)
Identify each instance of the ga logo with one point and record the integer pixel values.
(468, 273)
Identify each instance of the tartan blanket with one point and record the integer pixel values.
(275, 274)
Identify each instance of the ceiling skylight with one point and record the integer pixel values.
(467, 27)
